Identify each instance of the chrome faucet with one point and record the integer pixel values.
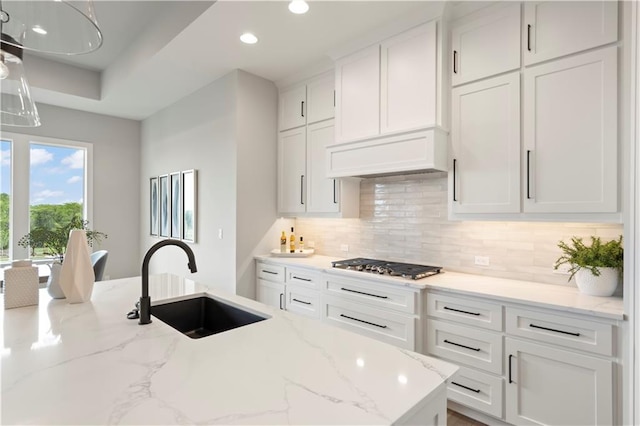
(145, 300)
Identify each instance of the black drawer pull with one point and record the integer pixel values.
(455, 69)
(554, 330)
(510, 380)
(529, 38)
(301, 301)
(281, 295)
(462, 346)
(269, 272)
(366, 322)
(361, 292)
(466, 387)
(302, 279)
(464, 312)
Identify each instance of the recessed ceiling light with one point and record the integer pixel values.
(248, 38)
(298, 7)
(38, 29)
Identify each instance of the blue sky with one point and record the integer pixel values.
(57, 173)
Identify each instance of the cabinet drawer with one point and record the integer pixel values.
(303, 277)
(467, 311)
(385, 326)
(270, 272)
(475, 348)
(372, 294)
(560, 330)
(303, 301)
(477, 390)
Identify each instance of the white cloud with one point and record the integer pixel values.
(40, 156)
(74, 179)
(5, 157)
(75, 160)
(47, 193)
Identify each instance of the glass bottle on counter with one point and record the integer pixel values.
(292, 242)
(283, 243)
(301, 245)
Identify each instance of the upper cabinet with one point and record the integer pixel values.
(556, 28)
(387, 107)
(485, 44)
(307, 103)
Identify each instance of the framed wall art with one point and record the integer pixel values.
(189, 205)
(164, 205)
(153, 206)
(176, 205)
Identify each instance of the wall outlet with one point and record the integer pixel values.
(344, 247)
(220, 233)
(482, 260)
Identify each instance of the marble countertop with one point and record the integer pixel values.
(87, 364)
(529, 293)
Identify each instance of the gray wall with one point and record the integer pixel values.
(227, 132)
(116, 194)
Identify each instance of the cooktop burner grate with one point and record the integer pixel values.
(398, 269)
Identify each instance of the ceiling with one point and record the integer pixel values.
(156, 52)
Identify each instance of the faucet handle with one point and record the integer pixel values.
(134, 313)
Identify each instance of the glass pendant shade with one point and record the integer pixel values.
(51, 26)
(16, 105)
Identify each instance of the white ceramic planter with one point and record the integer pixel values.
(76, 276)
(603, 285)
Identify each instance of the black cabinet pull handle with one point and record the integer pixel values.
(529, 38)
(462, 346)
(461, 311)
(281, 295)
(510, 356)
(554, 330)
(454, 179)
(302, 189)
(528, 173)
(455, 56)
(335, 201)
(301, 279)
(366, 322)
(269, 272)
(301, 301)
(362, 292)
(466, 387)
(302, 108)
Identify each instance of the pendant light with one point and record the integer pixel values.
(16, 105)
(51, 26)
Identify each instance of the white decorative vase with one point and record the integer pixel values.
(603, 285)
(77, 277)
(53, 283)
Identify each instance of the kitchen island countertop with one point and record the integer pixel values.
(87, 364)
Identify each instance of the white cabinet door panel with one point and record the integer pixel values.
(322, 192)
(292, 108)
(570, 135)
(486, 145)
(291, 170)
(271, 293)
(486, 43)
(320, 99)
(556, 28)
(408, 85)
(477, 390)
(547, 386)
(358, 95)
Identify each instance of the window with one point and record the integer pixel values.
(45, 182)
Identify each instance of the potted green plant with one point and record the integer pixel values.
(597, 267)
(55, 243)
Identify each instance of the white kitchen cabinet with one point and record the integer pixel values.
(570, 135)
(485, 43)
(486, 146)
(320, 98)
(389, 87)
(549, 386)
(270, 287)
(291, 106)
(306, 103)
(556, 28)
(303, 301)
(303, 185)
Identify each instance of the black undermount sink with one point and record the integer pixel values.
(202, 316)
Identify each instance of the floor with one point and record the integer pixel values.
(456, 419)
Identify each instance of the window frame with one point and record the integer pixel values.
(19, 212)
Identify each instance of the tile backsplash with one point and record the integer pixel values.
(404, 218)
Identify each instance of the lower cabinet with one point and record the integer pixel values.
(271, 293)
(549, 386)
(303, 301)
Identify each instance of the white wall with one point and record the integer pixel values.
(227, 132)
(116, 193)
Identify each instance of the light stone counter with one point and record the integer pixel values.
(525, 292)
(87, 364)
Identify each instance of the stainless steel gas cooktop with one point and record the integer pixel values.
(385, 267)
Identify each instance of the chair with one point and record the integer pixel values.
(99, 261)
